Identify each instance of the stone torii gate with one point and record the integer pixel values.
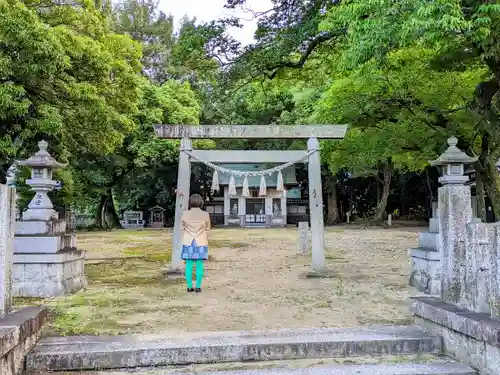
(311, 132)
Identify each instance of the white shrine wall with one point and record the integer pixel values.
(272, 193)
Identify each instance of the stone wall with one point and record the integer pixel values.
(466, 313)
(472, 338)
(19, 333)
(19, 330)
(480, 282)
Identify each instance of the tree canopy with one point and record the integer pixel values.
(92, 77)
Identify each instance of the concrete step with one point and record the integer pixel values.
(430, 368)
(451, 368)
(186, 348)
(437, 368)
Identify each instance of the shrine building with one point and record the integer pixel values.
(273, 209)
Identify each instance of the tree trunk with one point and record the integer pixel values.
(489, 175)
(3, 176)
(332, 204)
(4, 168)
(491, 187)
(431, 193)
(112, 217)
(386, 186)
(99, 221)
(480, 202)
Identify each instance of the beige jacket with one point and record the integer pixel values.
(195, 223)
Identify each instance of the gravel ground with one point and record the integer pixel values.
(254, 280)
(263, 285)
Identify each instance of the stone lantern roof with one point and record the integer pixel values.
(41, 159)
(452, 164)
(453, 155)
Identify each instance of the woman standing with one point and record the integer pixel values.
(195, 224)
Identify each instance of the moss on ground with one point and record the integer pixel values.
(128, 284)
(116, 290)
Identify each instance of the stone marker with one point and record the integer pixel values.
(303, 243)
(389, 219)
(7, 220)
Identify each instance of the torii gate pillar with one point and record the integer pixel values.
(316, 206)
(310, 132)
(181, 204)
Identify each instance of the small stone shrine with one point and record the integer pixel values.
(132, 219)
(156, 217)
(46, 261)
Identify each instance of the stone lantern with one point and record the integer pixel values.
(46, 261)
(452, 164)
(41, 164)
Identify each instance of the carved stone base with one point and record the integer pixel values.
(426, 271)
(48, 275)
(174, 273)
(323, 273)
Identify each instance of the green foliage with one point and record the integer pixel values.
(92, 79)
(397, 111)
(152, 28)
(64, 78)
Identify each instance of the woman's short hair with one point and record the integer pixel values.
(195, 201)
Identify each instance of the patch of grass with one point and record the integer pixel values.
(74, 322)
(27, 301)
(128, 273)
(160, 257)
(147, 248)
(336, 258)
(126, 288)
(227, 243)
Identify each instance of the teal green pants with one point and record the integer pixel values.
(199, 272)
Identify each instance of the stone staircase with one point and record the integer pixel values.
(396, 350)
(425, 259)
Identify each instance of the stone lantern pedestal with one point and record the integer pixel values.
(46, 260)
